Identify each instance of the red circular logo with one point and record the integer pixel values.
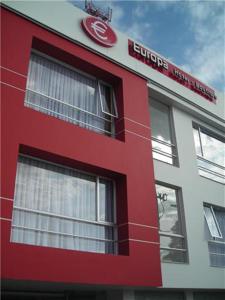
(99, 31)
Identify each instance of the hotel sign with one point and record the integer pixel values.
(161, 65)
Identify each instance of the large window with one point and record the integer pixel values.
(171, 228)
(60, 207)
(163, 144)
(215, 234)
(210, 149)
(62, 92)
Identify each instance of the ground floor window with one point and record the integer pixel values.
(55, 206)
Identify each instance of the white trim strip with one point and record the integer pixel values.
(137, 224)
(10, 70)
(5, 219)
(4, 198)
(13, 86)
(128, 131)
(140, 241)
(125, 118)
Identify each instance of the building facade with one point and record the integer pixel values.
(112, 165)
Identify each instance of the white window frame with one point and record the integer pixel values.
(219, 236)
(112, 96)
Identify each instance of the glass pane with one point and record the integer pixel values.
(173, 256)
(160, 121)
(213, 228)
(107, 101)
(106, 202)
(213, 149)
(66, 94)
(58, 199)
(168, 210)
(197, 142)
(171, 242)
(158, 147)
(50, 188)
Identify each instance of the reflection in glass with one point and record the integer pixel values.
(162, 146)
(210, 151)
(172, 240)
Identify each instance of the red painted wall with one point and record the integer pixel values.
(127, 159)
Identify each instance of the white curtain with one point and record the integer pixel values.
(66, 94)
(50, 200)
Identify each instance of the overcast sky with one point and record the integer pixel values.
(189, 33)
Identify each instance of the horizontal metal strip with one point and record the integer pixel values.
(48, 214)
(216, 242)
(133, 121)
(69, 105)
(62, 233)
(173, 249)
(162, 142)
(213, 253)
(211, 172)
(10, 70)
(66, 117)
(210, 162)
(140, 241)
(163, 153)
(171, 234)
(137, 224)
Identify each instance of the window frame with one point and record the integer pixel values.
(98, 83)
(173, 145)
(181, 218)
(202, 129)
(220, 236)
(98, 221)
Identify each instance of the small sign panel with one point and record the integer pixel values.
(99, 31)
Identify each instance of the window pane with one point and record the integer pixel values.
(107, 100)
(213, 149)
(168, 210)
(57, 207)
(171, 242)
(197, 142)
(106, 200)
(162, 152)
(173, 256)
(160, 121)
(213, 227)
(64, 93)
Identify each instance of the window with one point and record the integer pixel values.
(210, 150)
(61, 207)
(67, 94)
(215, 234)
(171, 230)
(162, 139)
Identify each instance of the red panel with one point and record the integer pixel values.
(128, 160)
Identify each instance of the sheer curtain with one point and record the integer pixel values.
(66, 94)
(58, 207)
